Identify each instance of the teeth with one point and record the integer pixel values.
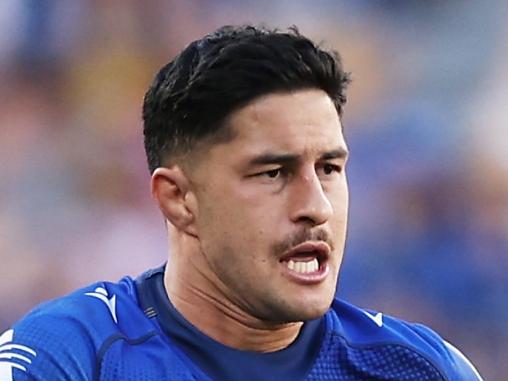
(303, 267)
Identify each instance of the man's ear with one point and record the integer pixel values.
(171, 189)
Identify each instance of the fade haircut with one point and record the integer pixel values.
(192, 96)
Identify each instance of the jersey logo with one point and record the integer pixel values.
(101, 294)
(377, 318)
(9, 352)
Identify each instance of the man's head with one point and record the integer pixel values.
(192, 96)
(245, 145)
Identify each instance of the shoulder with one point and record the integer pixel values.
(63, 337)
(373, 330)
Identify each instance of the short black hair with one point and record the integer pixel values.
(192, 96)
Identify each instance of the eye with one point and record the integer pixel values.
(328, 169)
(273, 173)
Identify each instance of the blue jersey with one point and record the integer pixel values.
(129, 331)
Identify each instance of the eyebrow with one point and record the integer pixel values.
(272, 158)
(339, 153)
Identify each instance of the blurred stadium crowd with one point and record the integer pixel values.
(426, 125)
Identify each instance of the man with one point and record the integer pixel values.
(244, 142)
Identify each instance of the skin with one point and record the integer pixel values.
(232, 220)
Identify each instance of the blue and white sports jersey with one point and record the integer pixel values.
(129, 331)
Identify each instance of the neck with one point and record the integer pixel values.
(205, 306)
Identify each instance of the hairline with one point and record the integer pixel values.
(225, 132)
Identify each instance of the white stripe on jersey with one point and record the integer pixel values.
(7, 353)
(465, 360)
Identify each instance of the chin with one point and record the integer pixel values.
(303, 311)
(314, 306)
(314, 313)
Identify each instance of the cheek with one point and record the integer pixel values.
(339, 197)
(342, 204)
(258, 206)
(227, 221)
(239, 215)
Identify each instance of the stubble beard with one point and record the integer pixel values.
(280, 309)
(270, 306)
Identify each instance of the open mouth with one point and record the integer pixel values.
(307, 262)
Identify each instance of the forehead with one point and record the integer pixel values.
(301, 121)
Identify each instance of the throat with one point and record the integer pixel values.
(230, 327)
(225, 322)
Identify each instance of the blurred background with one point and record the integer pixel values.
(425, 121)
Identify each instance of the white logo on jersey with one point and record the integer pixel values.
(378, 318)
(10, 351)
(101, 294)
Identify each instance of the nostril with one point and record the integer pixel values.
(307, 220)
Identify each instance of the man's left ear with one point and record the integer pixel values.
(171, 189)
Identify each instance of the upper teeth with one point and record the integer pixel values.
(303, 267)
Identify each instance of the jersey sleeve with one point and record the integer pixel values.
(463, 367)
(458, 365)
(44, 348)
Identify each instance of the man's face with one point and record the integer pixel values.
(272, 207)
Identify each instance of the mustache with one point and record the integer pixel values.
(302, 236)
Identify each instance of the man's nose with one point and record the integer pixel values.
(309, 202)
